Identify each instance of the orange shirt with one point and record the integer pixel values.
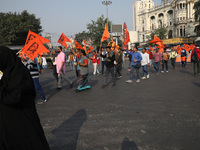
(165, 56)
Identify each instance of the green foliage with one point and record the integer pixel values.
(95, 31)
(14, 27)
(160, 32)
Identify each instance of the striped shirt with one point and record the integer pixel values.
(33, 68)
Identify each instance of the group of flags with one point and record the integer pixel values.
(34, 45)
(114, 46)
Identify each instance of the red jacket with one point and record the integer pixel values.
(95, 59)
(197, 51)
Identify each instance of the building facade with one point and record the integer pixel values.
(177, 16)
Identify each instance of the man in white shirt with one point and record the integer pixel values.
(145, 63)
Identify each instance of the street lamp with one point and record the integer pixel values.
(107, 3)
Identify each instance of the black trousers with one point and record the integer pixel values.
(173, 62)
(55, 74)
(110, 70)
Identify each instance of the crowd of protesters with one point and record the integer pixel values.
(18, 82)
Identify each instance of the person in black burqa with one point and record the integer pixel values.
(20, 127)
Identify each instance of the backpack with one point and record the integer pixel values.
(194, 57)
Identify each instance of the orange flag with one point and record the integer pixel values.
(106, 34)
(63, 39)
(187, 47)
(114, 46)
(33, 48)
(127, 38)
(178, 48)
(78, 46)
(32, 35)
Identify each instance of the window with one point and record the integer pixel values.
(149, 5)
(180, 18)
(181, 6)
(181, 34)
(143, 38)
(152, 26)
(170, 23)
(183, 18)
(143, 29)
(142, 21)
(177, 19)
(184, 31)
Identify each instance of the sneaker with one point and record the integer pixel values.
(119, 77)
(167, 71)
(45, 100)
(143, 78)
(162, 71)
(148, 76)
(138, 80)
(40, 102)
(129, 81)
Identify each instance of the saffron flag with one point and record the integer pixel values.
(33, 48)
(178, 48)
(31, 36)
(151, 49)
(78, 46)
(127, 38)
(106, 34)
(63, 39)
(155, 40)
(186, 47)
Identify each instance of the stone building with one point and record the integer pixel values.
(177, 16)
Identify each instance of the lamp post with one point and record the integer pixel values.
(107, 3)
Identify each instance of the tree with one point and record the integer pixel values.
(15, 26)
(160, 32)
(95, 31)
(197, 16)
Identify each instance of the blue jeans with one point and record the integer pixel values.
(39, 88)
(157, 66)
(131, 73)
(72, 64)
(103, 63)
(144, 70)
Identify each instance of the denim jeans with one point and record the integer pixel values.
(112, 71)
(72, 64)
(131, 73)
(164, 63)
(144, 70)
(157, 66)
(103, 63)
(39, 88)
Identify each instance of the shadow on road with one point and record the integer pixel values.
(66, 135)
(197, 84)
(128, 145)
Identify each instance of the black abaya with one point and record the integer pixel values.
(20, 127)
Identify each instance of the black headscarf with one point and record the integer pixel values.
(16, 83)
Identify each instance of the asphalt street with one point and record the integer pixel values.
(159, 113)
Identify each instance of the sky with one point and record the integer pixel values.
(72, 16)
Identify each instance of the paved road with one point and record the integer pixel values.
(160, 113)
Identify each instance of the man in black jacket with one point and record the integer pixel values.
(109, 66)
